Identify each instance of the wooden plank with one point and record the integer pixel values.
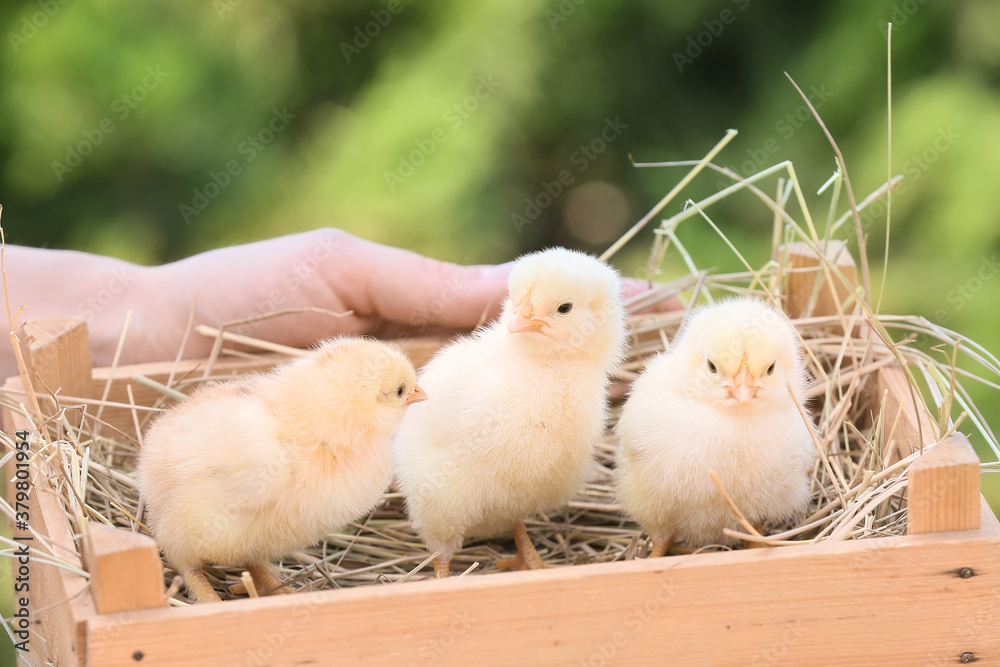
(756, 607)
(944, 489)
(419, 350)
(125, 569)
(988, 519)
(890, 601)
(22, 540)
(907, 435)
(805, 271)
(59, 594)
(57, 353)
(58, 597)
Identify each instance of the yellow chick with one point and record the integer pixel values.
(517, 409)
(719, 400)
(244, 472)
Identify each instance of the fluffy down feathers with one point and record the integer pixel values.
(517, 407)
(717, 400)
(244, 472)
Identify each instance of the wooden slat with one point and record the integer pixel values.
(57, 354)
(805, 272)
(944, 489)
(891, 601)
(125, 570)
(36, 640)
(839, 603)
(59, 596)
(907, 435)
(419, 350)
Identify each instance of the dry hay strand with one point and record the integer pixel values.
(859, 480)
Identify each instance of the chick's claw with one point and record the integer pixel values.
(527, 557)
(515, 563)
(266, 581)
(472, 462)
(248, 471)
(724, 398)
(198, 586)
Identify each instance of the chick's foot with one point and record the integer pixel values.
(527, 558)
(661, 544)
(199, 588)
(442, 567)
(266, 581)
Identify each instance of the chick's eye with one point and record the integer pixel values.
(565, 307)
(770, 369)
(400, 390)
(711, 367)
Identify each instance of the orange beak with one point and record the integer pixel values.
(524, 320)
(743, 388)
(417, 395)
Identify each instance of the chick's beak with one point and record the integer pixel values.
(524, 319)
(743, 388)
(417, 395)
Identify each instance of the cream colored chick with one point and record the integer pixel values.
(244, 472)
(717, 400)
(517, 408)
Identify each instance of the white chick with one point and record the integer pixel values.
(517, 409)
(717, 400)
(244, 472)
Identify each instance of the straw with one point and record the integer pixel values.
(858, 482)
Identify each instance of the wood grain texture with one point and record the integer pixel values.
(57, 353)
(418, 349)
(886, 601)
(907, 434)
(59, 597)
(125, 569)
(805, 272)
(944, 489)
(891, 601)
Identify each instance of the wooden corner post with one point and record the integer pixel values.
(57, 353)
(125, 570)
(806, 278)
(943, 483)
(944, 489)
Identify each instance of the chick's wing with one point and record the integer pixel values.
(231, 449)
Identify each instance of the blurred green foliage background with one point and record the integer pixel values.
(153, 130)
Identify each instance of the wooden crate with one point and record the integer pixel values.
(929, 597)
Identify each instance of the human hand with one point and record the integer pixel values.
(384, 291)
(388, 291)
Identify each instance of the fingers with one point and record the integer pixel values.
(407, 292)
(390, 291)
(420, 293)
(633, 287)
